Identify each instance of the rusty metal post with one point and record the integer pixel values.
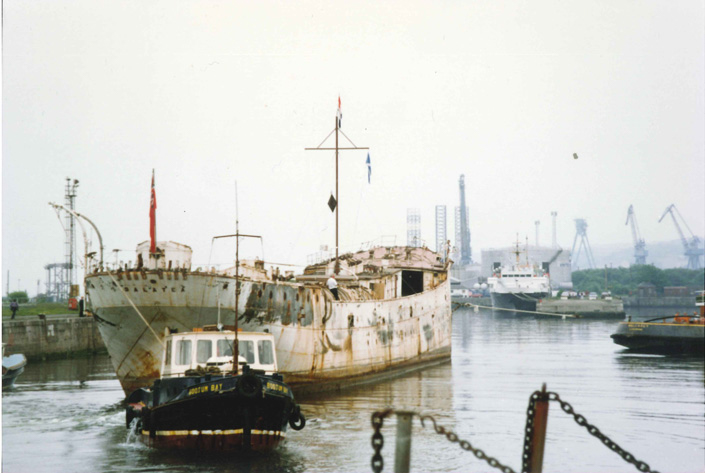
(538, 436)
(402, 455)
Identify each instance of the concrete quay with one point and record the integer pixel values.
(54, 336)
(585, 308)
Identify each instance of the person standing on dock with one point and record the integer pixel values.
(80, 307)
(14, 306)
(333, 286)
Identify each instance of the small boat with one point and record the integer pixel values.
(12, 367)
(201, 403)
(670, 334)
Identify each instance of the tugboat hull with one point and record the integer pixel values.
(215, 415)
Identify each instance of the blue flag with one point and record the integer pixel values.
(369, 168)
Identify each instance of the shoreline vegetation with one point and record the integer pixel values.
(46, 308)
(625, 281)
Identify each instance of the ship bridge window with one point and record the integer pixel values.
(411, 282)
(247, 350)
(167, 356)
(203, 351)
(265, 352)
(224, 348)
(183, 352)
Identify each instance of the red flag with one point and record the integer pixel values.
(339, 114)
(153, 219)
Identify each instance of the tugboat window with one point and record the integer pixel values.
(168, 353)
(264, 349)
(247, 350)
(203, 351)
(224, 347)
(183, 352)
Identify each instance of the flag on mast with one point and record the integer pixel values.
(153, 219)
(369, 168)
(340, 114)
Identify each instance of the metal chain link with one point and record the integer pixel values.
(528, 432)
(595, 432)
(377, 439)
(465, 445)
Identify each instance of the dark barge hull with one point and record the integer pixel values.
(216, 415)
(519, 301)
(664, 338)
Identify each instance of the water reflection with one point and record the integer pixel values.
(653, 406)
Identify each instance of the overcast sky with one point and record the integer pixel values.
(212, 92)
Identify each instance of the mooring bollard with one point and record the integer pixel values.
(402, 455)
(538, 436)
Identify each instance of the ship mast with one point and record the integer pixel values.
(335, 203)
(237, 235)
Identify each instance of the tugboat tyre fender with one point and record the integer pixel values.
(249, 386)
(297, 421)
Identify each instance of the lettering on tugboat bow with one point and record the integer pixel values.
(277, 387)
(209, 388)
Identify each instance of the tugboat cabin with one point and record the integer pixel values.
(211, 351)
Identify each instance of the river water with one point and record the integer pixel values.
(66, 416)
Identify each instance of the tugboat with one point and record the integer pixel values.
(202, 403)
(666, 335)
(12, 367)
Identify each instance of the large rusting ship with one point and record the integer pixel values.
(394, 313)
(391, 313)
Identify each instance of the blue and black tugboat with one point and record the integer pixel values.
(202, 403)
(673, 334)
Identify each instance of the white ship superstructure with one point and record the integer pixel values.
(519, 286)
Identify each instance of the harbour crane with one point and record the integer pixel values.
(691, 248)
(640, 252)
(581, 231)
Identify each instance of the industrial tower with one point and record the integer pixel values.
(640, 252)
(465, 249)
(441, 228)
(70, 229)
(692, 249)
(581, 231)
(413, 228)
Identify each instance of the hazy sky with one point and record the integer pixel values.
(210, 92)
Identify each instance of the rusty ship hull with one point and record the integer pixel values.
(393, 316)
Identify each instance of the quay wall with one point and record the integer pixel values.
(584, 307)
(668, 301)
(53, 337)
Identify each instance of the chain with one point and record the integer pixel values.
(465, 445)
(528, 432)
(594, 431)
(377, 439)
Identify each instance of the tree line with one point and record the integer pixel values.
(624, 281)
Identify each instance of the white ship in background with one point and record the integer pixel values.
(519, 286)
